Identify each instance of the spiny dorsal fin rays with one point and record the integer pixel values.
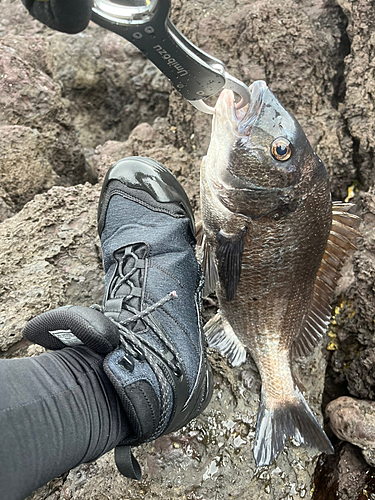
(340, 244)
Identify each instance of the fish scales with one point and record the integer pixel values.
(273, 245)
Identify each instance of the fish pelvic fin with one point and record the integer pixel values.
(220, 336)
(340, 245)
(294, 420)
(211, 276)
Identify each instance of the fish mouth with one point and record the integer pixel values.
(242, 119)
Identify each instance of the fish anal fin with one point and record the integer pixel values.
(294, 420)
(220, 336)
(229, 251)
(340, 245)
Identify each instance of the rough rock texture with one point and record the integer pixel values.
(343, 476)
(29, 97)
(353, 420)
(49, 257)
(109, 83)
(64, 95)
(360, 86)
(24, 168)
(352, 361)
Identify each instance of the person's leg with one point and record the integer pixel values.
(57, 410)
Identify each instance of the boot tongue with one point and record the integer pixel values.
(125, 291)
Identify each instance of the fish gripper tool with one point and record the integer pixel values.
(145, 23)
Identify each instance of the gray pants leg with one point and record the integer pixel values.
(57, 410)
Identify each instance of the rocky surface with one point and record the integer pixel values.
(353, 420)
(70, 106)
(30, 98)
(344, 476)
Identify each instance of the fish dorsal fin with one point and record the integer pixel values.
(340, 244)
(229, 251)
(211, 275)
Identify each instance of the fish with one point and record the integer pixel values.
(273, 243)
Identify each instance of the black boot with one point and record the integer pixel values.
(150, 320)
(153, 294)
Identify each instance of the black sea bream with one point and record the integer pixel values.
(273, 244)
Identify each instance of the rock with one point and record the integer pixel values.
(35, 49)
(353, 420)
(49, 257)
(343, 476)
(359, 111)
(7, 207)
(24, 167)
(15, 20)
(352, 327)
(111, 86)
(30, 98)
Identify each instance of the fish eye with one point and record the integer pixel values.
(281, 149)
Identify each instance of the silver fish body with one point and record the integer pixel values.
(267, 218)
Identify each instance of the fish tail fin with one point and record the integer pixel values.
(294, 420)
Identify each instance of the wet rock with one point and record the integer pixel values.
(24, 167)
(49, 257)
(353, 420)
(30, 98)
(343, 476)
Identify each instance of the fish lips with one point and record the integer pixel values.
(248, 117)
(243, 118)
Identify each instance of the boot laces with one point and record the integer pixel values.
(135, 345)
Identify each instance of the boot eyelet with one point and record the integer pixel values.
(127, 363)
(177, 372)
(140, 355)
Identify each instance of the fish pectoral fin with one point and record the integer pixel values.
(199, 232)
(220, 335)
(294, 420)
(340, 244)
(211, 276)
(229, 251)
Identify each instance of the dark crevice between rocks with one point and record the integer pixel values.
(344, 476)
(338, 80)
